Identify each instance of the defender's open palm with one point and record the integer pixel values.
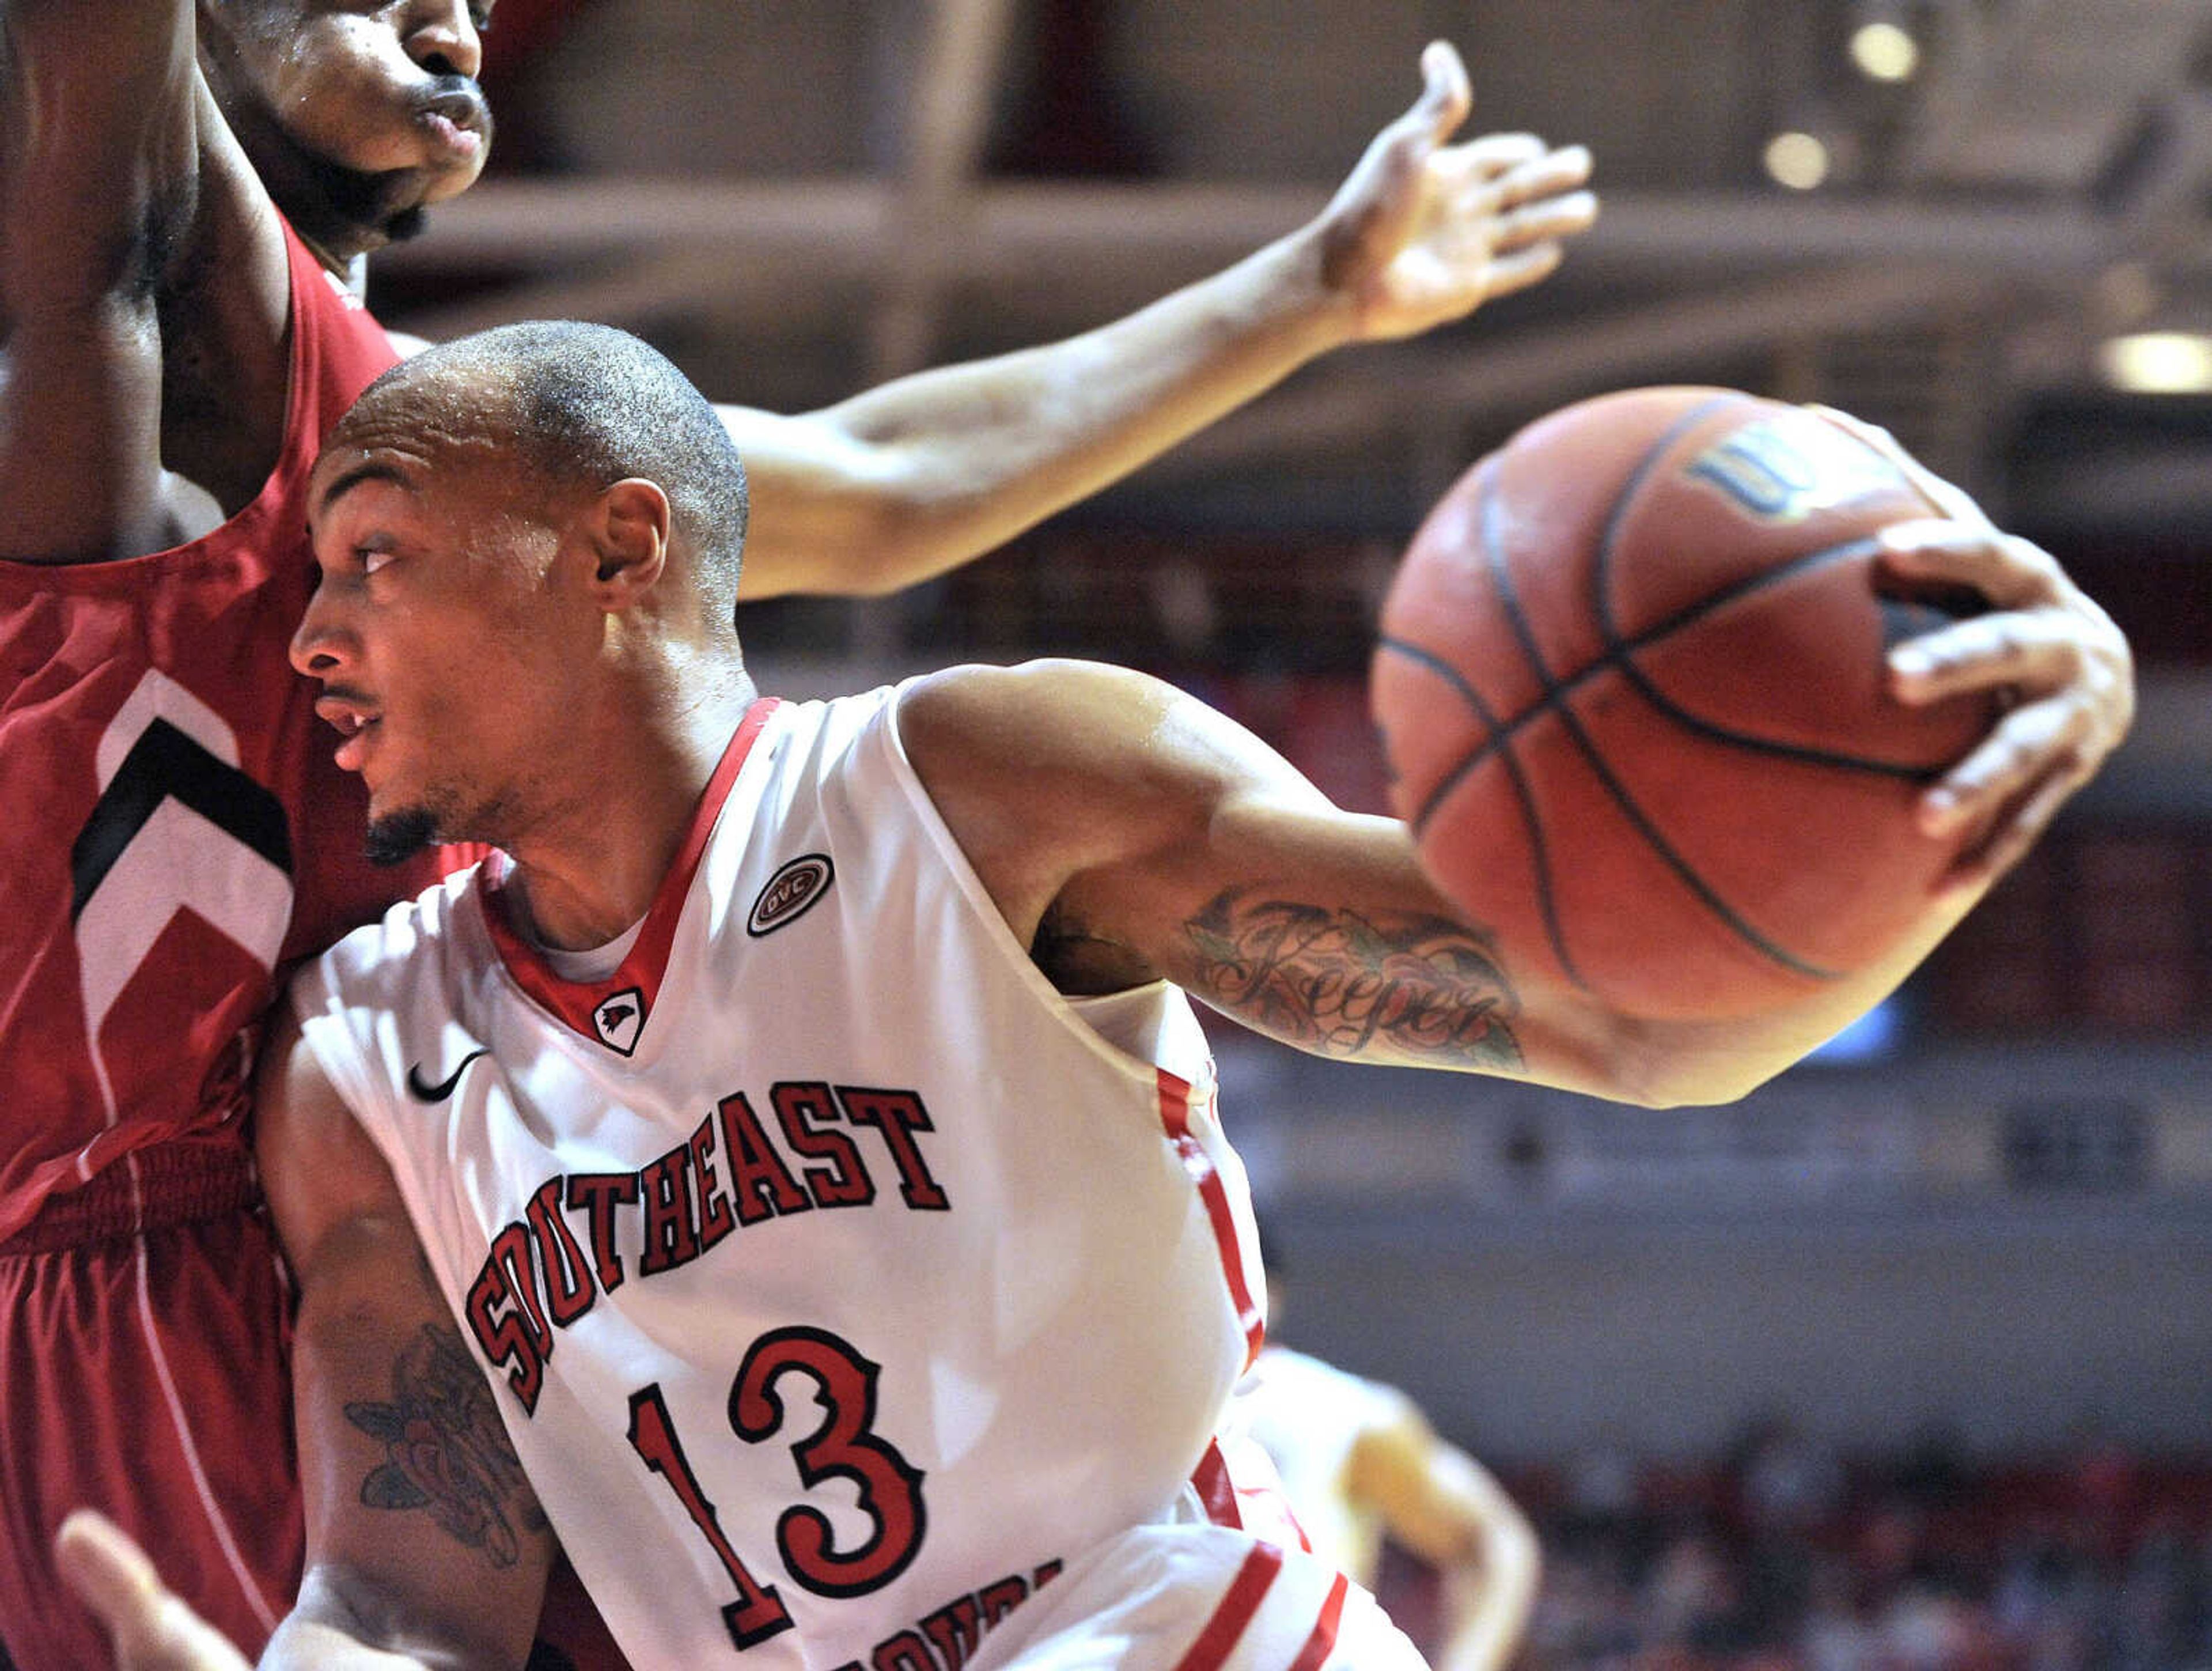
(1425, 231)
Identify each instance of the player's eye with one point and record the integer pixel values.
(373, 557)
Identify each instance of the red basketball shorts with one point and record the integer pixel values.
(144, 1374)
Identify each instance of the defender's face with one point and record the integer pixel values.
(384, 89)
(438, 634)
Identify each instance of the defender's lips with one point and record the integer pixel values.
(457, 116)
(457, 140)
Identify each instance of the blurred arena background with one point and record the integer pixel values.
(1904, 1362)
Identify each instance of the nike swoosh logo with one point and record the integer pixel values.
(444, 1088)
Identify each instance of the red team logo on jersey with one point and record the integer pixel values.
(620, 1018)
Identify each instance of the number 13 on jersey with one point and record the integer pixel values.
(888, 1487)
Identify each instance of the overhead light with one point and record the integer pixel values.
(1797, 160)
(2158, 362)
(1885, 51)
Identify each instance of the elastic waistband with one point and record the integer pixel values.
(155, 1188)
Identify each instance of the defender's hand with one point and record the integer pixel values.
(153, 1630)
(1423, 231)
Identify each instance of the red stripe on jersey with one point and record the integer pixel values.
(1322, 1641)
(1268, 1504)
(1216, 1492)
(577, 1003)
(1175, 1114)
(1246, 1592)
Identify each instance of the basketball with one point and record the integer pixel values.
(1630, 686)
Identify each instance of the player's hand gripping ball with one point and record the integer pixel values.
(1632, 685)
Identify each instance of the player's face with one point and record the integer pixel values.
(440, 634)
(356, 114)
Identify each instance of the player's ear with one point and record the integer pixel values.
(628, 528)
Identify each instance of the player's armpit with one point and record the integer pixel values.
(98, 155)
(423, 1536)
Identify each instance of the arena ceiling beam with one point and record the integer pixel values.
(1066, 236)
(1530, 369)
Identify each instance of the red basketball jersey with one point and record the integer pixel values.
(176, 829)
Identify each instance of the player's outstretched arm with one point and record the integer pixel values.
(1128, 832)
(932, 470)
(425, 1543)
(1442, 1504)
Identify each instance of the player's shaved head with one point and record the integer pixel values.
(578, 407)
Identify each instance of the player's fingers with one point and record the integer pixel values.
(2027, 745)
(2034, 651)
(1949, 498)
(1518, 269)
(1488, 158)
(1474, 191)
(1446, 96)
(1547, 221)
(2010, 572)
(2015, 830)
(109, 1573)
(152, 1629)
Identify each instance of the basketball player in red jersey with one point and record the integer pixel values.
(1082, 828)
(176, 345)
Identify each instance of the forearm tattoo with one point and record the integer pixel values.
(1404, 984)
(446, 1451)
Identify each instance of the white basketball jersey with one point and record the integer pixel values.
(841, 1281)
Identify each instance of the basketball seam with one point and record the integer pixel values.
(1539, 847)
(1618, 649)
(1553, 700)
(1621, 653)
(1660, 632)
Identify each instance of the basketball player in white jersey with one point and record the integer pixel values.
(800, 1126)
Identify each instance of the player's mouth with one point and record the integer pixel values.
(454, 142)
(458, 120)
(354, 723)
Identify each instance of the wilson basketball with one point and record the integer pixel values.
(1631, 682)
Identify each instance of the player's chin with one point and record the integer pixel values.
(445, 175)
(397, 835)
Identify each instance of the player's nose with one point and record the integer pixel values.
(442, 38)
(317, 647)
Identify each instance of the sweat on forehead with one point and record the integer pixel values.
(436, 403)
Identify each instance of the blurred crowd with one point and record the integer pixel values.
(1789, 1556)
